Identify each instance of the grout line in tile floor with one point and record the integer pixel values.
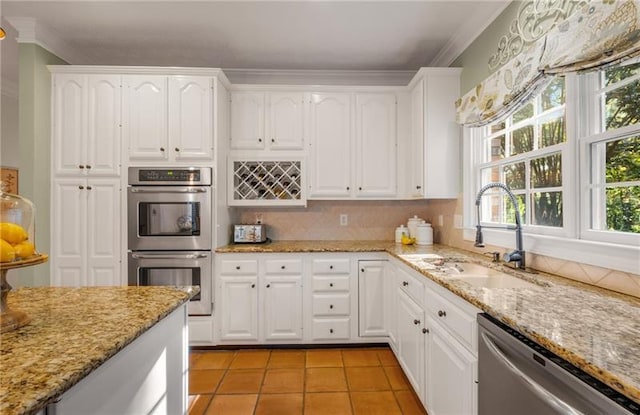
(360, 390)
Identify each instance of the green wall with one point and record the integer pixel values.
(35, 148)
(475, 59)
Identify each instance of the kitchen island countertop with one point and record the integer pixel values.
(597, 330)
(72, 332)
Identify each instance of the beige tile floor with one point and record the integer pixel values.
(299, 381)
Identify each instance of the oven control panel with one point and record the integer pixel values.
(177, 176)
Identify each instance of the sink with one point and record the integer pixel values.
(482, 276)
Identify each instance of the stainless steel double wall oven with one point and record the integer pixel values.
(170, 230)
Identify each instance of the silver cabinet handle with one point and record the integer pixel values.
(165, 190)
(535, 387)
(168, 256)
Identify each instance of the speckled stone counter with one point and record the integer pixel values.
(595, 329)
(72, 332)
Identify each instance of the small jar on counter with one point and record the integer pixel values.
(424, 234)
(401, 230)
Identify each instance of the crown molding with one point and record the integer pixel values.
(318, 77)
(31, 31)
(465, 35)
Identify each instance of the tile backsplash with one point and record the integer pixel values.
(320, 220)
(377, 220)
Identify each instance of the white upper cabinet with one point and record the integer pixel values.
(435, 135)
(286, 120)
(352, 156)
(86, 124)
(376, 145)
(168, 118)
(330, 154)
(190, 117)
(267, 120)
(247, 120)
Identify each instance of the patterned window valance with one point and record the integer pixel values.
(597, 34)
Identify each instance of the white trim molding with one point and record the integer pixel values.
(32, 31)
(318, 77)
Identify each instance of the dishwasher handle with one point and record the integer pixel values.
(168, 256)
(531, 384)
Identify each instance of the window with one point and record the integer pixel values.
(525, 152)
(612, 153)
(571, 156)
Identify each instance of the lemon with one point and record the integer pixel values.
(12, 233)
(7, 253)
(24, 250)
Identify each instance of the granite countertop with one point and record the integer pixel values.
(595, 329)
(72, 332)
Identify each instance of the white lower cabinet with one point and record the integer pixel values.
(258, 301)
(450, 374)
(372, 320)
(411, 341)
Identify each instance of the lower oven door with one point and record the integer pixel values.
(176, 268)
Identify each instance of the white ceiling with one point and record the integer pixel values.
(294, 35)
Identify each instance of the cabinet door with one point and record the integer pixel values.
(376, 145)
(411, 341)
(190, 118)
(103, 232)
(69, 123)
(238, 308)
(371, 298)
(145, 117)
(247, 120)
(68, 232)
(330, 135)
(282, 300)
(103, 138)
(286, 120)
(416, 156)
(450, 383)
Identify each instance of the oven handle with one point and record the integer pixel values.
(165, 256)
(165, 190)
(531, 384)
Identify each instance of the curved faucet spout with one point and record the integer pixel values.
(518, 255)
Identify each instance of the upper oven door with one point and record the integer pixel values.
(169, 218)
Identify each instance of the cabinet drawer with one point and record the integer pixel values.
(412, 285)
(331, 305)
(238, 267)
(331, 284)
(460, 324)
(283, 266)
(330, 329)
(330, 266)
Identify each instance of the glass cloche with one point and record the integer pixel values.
(17, 229)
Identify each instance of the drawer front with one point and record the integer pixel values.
(331, 284)
(460, 324)
(331, 305)
(238, 267)
(330, 266)
(283, 266)
(413, 286)
(331, 329)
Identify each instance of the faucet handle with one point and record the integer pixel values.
(495, 256)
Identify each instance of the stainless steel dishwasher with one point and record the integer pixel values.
(518, 376)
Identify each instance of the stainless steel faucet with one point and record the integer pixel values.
(518, 255)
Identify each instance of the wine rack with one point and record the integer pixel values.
(267, 182)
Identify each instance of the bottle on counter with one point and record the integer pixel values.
(424, 234)
(401, 230)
